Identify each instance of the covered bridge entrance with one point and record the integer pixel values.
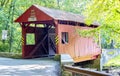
(47, 32)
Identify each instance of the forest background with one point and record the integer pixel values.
(106, 12)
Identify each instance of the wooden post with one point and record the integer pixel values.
(73, 74)
(24, 28)
(23, 39)
(47, 38)
(57, 36)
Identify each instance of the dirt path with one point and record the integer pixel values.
(28, 67)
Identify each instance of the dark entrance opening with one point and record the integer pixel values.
(40, 40)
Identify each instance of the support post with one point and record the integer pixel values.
(23, 39)
(47, 39)
(57, 39)
(24, 28)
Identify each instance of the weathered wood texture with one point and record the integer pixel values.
(80, 48)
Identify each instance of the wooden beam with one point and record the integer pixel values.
(44, 48)
(57, 34)
(23, 39)
(37, 46)
(53, 45)
(83, 71)
(40, 22)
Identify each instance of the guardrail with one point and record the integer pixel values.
(82, 71)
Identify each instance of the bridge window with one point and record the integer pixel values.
(30, 39)
(64, 37)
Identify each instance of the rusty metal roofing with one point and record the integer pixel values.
(61, 15)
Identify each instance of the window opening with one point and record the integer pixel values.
(64, 37)
(30, 39)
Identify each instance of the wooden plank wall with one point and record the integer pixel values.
(80, 48)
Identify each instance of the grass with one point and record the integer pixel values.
(66, 73)
(115, 62)
(57, 57)
(11, 55)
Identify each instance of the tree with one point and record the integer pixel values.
(11, 9)
(107, 13)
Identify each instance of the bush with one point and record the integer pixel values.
(11, 55)
(57, 57)
(4, 47)
(115, 62)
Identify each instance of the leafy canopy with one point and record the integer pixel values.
(107, 13)
(11, 9)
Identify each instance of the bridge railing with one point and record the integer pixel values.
(84, 72)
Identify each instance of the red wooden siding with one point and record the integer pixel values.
(40, 15)
(78, 47)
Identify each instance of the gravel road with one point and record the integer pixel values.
(28, 67)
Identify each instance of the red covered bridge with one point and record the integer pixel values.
(54, 32)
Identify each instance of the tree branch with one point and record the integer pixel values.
(117, 11)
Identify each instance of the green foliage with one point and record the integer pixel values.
(4, 47)
(91, 33)
(11, 9)
(111, 52)
(105, 10)
(30, 39)
(57, 57)
(113, 62)
(75, 6)
(107, 13)
(66, 73)
(11, 55)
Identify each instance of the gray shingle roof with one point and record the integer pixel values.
(61, 15)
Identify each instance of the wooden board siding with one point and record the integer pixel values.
(40, 15)
(80, 48)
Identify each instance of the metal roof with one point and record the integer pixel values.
(61, 15)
